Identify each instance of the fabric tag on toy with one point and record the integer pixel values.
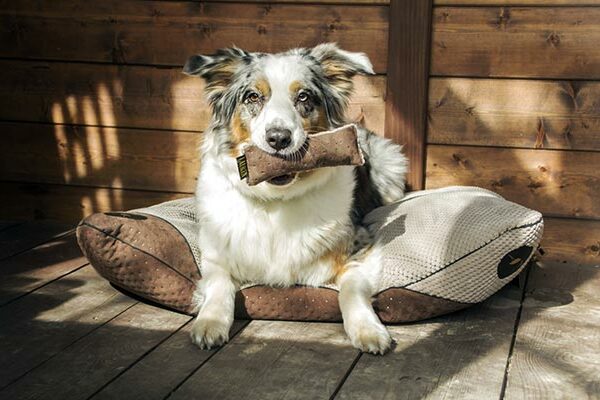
(242, 165)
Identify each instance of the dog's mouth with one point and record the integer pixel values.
(282, 180)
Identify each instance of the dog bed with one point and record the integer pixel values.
(444, 250)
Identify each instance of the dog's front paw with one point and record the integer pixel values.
(210, 332)
(369, 336)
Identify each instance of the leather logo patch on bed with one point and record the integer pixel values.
(513, 261)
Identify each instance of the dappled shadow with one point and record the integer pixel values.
(466, 352)
(533, 178)
(79, 329)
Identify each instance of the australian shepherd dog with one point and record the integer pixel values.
(301, 228)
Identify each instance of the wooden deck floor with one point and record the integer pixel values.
(65, 333)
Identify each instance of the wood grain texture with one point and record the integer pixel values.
(40, 325)
(556, 349)
(132, 96)
(547, 42)
(556, 183)
(459, 356)
(72, 203)
(517, 2)
(571, 241)
(177, 352)
(275, 360)
(408, 65)
(34, 268)
(81, 369)
(168, 32)
(514, 113)
(312, 1)
(22, 237)
(100, 156)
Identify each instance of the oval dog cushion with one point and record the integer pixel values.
(444, 250)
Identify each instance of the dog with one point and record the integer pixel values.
(302, 228)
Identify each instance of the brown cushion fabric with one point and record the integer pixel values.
(147, 256)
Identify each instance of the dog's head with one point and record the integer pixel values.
(276, 100)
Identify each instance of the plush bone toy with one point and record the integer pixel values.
(324, 149)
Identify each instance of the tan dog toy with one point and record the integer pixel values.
(324, 149)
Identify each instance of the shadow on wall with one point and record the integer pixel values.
(120, 137)
(486, 134)
(127, 141)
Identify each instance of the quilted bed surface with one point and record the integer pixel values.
(444, 250)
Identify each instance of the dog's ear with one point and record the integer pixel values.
(217, 69)
(338, 63)
(339, 67)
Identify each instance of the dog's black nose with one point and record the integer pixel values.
(279, 138)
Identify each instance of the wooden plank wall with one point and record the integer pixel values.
(96, 114)
(514, 106)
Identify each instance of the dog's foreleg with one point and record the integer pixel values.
(365, 330)
(216, 297)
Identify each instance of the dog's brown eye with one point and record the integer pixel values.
(253, 97)
(302, 97)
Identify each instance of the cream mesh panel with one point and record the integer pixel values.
(474, 278)
(426, 232)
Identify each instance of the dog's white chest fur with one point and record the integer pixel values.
(278, 242)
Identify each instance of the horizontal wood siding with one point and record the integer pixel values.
(557, 183)
(515, 113)
(168, 32)
(100, 156)
(572, 240)
(536, 42)
(70, 203)
(131, 96)
(96, 113)
(551, 3)
(514, 107)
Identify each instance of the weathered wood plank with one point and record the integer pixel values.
(408, 65)
(517, 2)
(514, 113)
(312, 1)
(43, 323)
(34, 268)
(557, 344)
(132, 96)
(21, 237)
(168, 32)
(548, 42)
(460, 356)
(557, 183)
(177, 352)
(100, 156)
(275, 360)
(571, 241)
(82, 368)
(72, 203)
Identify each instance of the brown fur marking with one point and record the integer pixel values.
(263, 87)
(239, 134)
(338, 259)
